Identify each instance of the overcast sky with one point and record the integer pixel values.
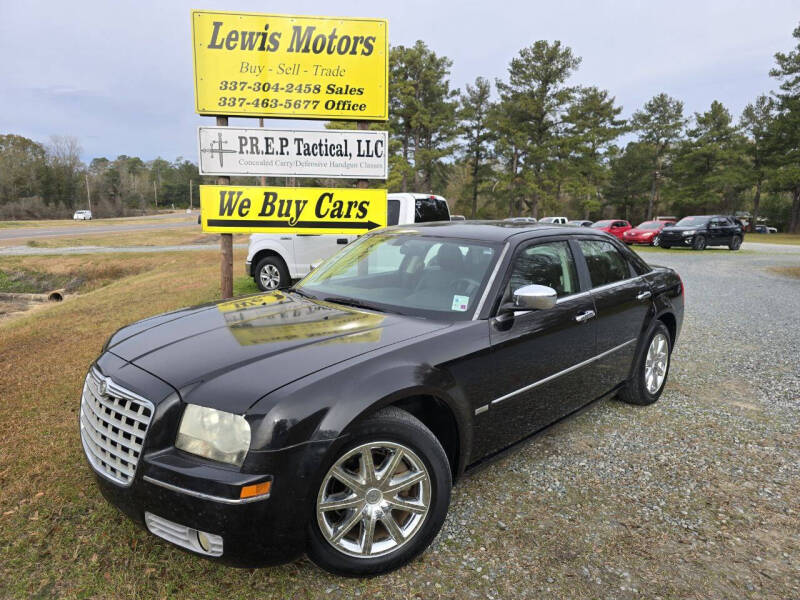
(118, 74)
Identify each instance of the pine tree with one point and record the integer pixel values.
(474, 110)
(784, 146)
(660, 123)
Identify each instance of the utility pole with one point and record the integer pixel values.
(155, 193)
(190, 195)
(88, 193)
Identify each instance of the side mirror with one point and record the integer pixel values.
(532, 297)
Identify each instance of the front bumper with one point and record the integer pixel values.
(204, 495)
(257, 532)
(638, 239)
(684, 240)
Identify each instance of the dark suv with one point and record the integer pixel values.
(705, 230)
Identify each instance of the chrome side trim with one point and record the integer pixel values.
(201, 495)
(481, 409)
(564, 372)
(600, 288)
(489, 283)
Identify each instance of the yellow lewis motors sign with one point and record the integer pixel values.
(259, 209)
(252, 64)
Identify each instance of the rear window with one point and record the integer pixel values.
(431, 209)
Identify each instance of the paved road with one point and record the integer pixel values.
(28, 251)
(84, 228)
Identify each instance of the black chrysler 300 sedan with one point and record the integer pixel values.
(333, 418)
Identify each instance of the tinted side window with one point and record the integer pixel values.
(393, 212)
(431, 209)
(606, 264)
(549, 264)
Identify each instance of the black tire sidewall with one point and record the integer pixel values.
(736, 243)
(281, 266)
(646, 396)
(635, 391)
(425, 445)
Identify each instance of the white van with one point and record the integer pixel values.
(275, 260)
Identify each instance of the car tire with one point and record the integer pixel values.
(736, 243)
(381, 436)
(271, 274)
(657, 242)
(699, 243)
(665, 246)
(651, 368)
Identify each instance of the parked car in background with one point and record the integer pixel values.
(530, 220)
(646, 233)
(554, 220)
(701, 231)
(772, 229)
(275, 260)
(333, 418)
(614, 227)
(581, 223)
(82, 215)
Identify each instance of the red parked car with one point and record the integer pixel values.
(615, 228)
(646, 233)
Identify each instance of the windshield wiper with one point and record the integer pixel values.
(303, 294)
(354, 302)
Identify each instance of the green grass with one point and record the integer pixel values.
(774, 238)
(244, 285)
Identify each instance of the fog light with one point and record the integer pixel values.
(204, 542)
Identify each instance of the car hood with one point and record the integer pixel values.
(228, 355)
(635, 231)
(682, 229)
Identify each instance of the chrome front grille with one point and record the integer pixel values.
(114, 423)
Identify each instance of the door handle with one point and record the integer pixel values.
(341, 241)
(584, 316)
(643, 295)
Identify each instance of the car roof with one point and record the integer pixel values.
(492, 231)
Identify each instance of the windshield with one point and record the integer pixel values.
(406, 272)
(692, 221)
(602, 224)
(649, 225)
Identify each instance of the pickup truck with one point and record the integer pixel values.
(275, 260)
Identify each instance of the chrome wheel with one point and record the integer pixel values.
(270, 277)
(656, 241)
(374, 499)
(656, 362)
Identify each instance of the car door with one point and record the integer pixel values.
(535, 355)
(718, 233)
(621, 299)
(313, 249)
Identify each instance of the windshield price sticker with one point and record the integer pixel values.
(293, 153)
(259, 209)
(251, 64)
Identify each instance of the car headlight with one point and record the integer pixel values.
(690, 232)
(214, 434)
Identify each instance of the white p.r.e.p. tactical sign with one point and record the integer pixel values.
(352, 154)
